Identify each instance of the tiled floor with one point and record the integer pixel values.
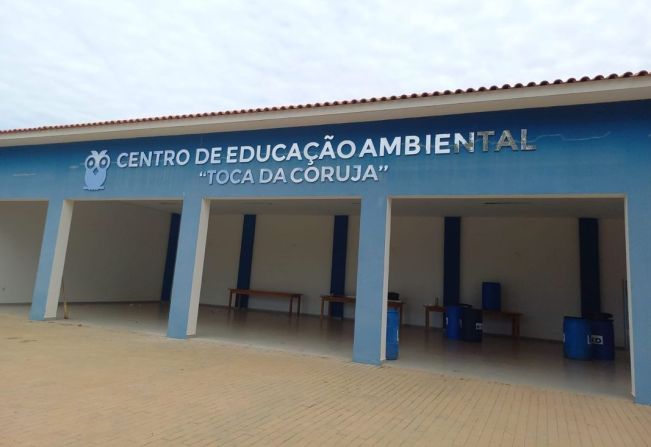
(528, 362)
(70, 383)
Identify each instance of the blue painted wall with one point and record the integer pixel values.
(583, 149)
(591, 149)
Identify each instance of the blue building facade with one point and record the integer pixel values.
(582, 150)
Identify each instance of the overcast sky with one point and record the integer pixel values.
(77, 61)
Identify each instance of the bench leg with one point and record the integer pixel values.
(322, 305)
(298, 305)
(426, 319)
(291, 306)
(515, 327)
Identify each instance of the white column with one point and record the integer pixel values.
(188, 270)
(369, 345)
(52, 260)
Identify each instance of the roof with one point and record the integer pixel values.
(470, 95)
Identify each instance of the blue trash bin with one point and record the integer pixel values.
(491, 296)
(472, 327)
(602, 339)
(453, 321)
(576, 338)
(393, 334)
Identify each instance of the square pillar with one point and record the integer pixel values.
(49, 274)
(186, 286)
(369, 345)
(638, 241)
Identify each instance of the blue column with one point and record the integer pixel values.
(639, 257)
(188, 268)
(372, 278)
(47, 287)
(451, 261)
(338, 267)
(589, 266)
(170, 257)
(246, 259)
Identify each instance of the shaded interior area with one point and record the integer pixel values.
(116, 252)
(535, 250)
(21, 234)
(279, 246)
(118, 261)
(530, 246)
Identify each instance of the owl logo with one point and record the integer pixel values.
(97, 164)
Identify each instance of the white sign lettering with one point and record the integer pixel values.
(321, 152)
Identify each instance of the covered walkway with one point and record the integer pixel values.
(502, 359)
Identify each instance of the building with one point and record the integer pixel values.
(542, 187)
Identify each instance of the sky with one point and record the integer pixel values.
(66, 61)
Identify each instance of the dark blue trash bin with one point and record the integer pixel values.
(602, 339)
(393, 331)
(453, 321)
(576, 338)
(491, 296)
(471, 324)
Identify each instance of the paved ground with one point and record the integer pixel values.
(538, 363)
(64, 384)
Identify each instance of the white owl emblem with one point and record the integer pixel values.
(96, 165)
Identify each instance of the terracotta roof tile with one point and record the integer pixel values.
(628, 74)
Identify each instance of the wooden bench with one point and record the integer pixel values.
(265, 294)
(513, 316)
(345, 299)
(432, 308)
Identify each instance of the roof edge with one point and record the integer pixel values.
(613, 88)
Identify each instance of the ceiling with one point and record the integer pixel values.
(511, 207)
(610, 207)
